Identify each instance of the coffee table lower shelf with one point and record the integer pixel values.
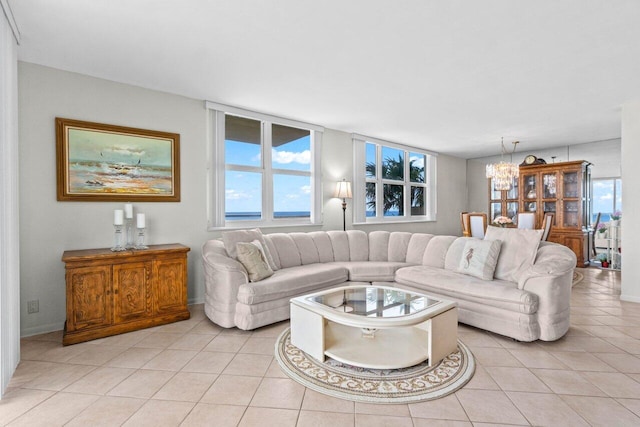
(387, 349)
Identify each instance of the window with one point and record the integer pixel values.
(606, 197)
(266, 170)
(392, 182)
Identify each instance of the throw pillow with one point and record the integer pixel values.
(519, 249)
(252, 258)
(231, 238)
(479, 258)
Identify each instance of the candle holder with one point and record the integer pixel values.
(117, 239)
(129, 233)
(140, 243)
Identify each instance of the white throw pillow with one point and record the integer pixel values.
(232, 238)
(252, 258)
(518, 252)
(479, 258)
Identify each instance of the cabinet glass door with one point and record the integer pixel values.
(570, 214)
(513, 193)
(530, 190)
(570, 184)
(549, 186)
(496, 210)
(495, 194)
(550, 207)
(512, 211)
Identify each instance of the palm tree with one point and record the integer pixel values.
(393, 194)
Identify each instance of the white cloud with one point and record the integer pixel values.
(305, 189)
(292, 196)
(417, 161)
(286, 157)
(236, 195)
(608, 196)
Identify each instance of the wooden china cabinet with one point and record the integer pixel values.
(563, 189)
(110, 293)
(560, 188)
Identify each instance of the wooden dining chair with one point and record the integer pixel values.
(527, 220)
(474, 224)
(547, 224)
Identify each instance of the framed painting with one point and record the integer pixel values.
(99, 162)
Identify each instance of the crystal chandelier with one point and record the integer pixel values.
(503, 174)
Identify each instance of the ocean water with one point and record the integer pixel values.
(253, 216)
(105, 177)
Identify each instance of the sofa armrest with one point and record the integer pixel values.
(550, 278)
(223, 277)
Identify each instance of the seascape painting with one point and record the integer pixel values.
(111, 163)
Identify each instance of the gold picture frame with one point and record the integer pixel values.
(108, 163)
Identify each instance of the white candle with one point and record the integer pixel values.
(128, 210)
(117, 217)
(140, 220)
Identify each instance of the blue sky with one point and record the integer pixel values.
(603, 196)
(243, 191)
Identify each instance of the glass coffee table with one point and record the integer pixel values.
(376, 327)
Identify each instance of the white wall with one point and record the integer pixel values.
(631, 193)
(49, 227)
(605, 156)
(9, 218)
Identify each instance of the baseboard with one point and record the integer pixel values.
(630, 298)
(52, 327)
(41, 329)
(192, 301)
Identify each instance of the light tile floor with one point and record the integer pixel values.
(193, 373)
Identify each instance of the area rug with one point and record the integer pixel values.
(577, 278)
(415, 384)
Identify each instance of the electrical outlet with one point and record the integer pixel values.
(33, 306)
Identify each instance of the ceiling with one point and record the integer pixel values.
(450, 76)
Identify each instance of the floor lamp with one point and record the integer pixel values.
(343, 191)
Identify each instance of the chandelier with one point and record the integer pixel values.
(503, 174)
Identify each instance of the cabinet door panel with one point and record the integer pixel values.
(132, 291)
(170, 290)
(89, 291)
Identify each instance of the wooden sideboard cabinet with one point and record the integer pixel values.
(109, 293)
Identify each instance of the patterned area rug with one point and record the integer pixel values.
(414, 384)
(577, 278)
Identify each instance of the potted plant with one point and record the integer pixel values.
(601, 229)
(615, 217)
(604, 261)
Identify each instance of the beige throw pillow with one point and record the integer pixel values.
(479, 258)
(232, 238)
(252, 258)
(518, 252)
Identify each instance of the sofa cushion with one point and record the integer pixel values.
(495, 293)
(251, 255)
(436, 251)
(358, 245)
(292, 281)
(371, 271)
(379, 245)
(479, 258)
(323, 244)
(417, 246)
(518, 252)
(398, 244)
(306, 248)
(287, 250)
(340, 245)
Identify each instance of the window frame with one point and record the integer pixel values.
(217, 168)
(361, 180)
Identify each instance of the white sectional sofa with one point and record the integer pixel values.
(533, 303)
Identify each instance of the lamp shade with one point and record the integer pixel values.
(343, 190)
